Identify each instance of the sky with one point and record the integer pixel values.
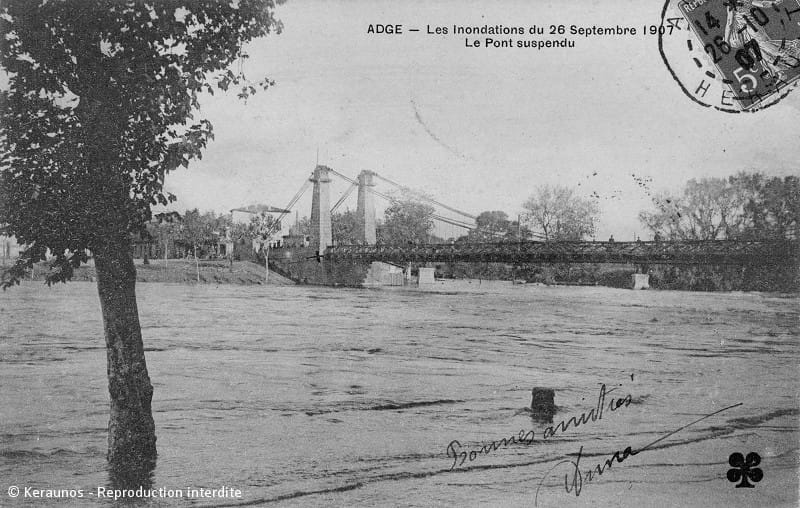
(477, 128)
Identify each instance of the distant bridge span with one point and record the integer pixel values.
(701, 252)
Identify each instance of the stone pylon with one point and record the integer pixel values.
(365, 210)
(321, 232)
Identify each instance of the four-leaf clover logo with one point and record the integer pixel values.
(745, 469)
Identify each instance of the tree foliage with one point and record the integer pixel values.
(490, 226)
(163, 228)
(560, 214)
(261, 229)
(345, 228)
(406, 220)
(100, 106)
(303, 226)
(744, 206)
(772, 210)
(197, 229)
(494, 226)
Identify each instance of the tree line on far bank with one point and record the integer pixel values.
(745, 206)
(199, 234)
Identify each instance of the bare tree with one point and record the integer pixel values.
(745, 205)
(560, 214)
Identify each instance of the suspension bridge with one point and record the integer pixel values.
(321, 248)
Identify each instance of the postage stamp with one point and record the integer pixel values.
(733, 55)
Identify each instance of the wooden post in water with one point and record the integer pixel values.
(543, 401)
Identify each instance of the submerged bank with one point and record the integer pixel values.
(185, 271)
(721, 279)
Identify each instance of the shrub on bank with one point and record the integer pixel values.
(689, 277)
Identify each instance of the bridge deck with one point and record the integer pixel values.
(714, 252)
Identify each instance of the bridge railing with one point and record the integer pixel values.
(714, 252)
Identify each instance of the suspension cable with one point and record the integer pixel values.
(423, 196)
(297, 196)
(343, 177)
(288, 207)
(344, 196)
(447, 220)
(454, 222)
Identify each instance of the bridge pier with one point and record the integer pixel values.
(641, 278)
(425, 276)
(640, 281)
(321, 231)
(365, 211)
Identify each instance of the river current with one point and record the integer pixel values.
(310, 396)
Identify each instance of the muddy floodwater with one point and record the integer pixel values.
(308, 396)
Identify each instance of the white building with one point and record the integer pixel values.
(9, 249)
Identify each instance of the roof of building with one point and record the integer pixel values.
(258, 208)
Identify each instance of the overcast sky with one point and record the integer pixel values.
(476, 128)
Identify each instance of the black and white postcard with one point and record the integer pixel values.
(373, 253)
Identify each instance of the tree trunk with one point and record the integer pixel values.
(196, 264)
(131, 430)
(266, 264)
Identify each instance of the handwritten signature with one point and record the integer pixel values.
(456, 451)
(574, 479)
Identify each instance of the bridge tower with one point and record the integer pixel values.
(321, 232)
(365, 210)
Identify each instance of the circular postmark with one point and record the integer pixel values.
(732, 55)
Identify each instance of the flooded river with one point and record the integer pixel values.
(307, 396)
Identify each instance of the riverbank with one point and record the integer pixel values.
(681, 277)
(185, 271)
